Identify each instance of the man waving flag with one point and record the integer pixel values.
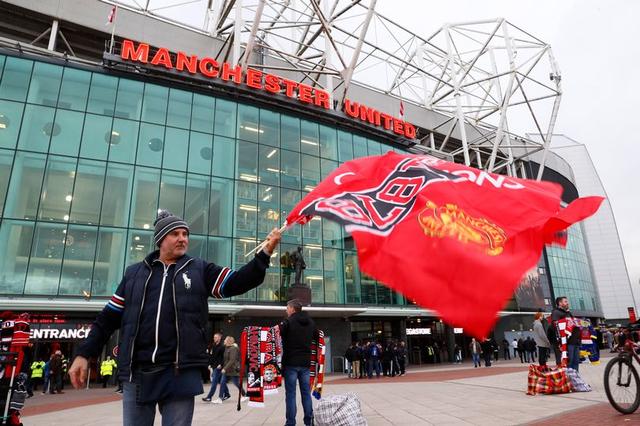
(453, 238)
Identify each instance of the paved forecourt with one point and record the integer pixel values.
(454, 395)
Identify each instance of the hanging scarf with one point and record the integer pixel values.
(261, 355)
(316, 370)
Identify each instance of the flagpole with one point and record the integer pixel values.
(113, 28)
(259, 246)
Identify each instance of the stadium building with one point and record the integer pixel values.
(107, 114)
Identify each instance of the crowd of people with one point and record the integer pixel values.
(364, 358)
(50, 374)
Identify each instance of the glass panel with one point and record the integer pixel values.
(176, 149)
(326, 167)
(269, 160)
(374, 147)
(24, 188)
(109, 264)
(172, 192)
(331, 233)
(345, 147)
(202, 113)
(309, 138)
(124, 140)
(37, 128)
(333, 276)
(328, 143)
(224, 151)
(246, 209)
(368, 289)
(10, 118)
(154, 104)
(221, 208)
(269, 290)
(6, 161)
(197, 203)
(96, 136)
(359, 146)
(74, 90)
(15, 79)
(87, 192)
(242, 246)
(270, 128)
(200, 152)
(197, 245)
(247, 158)
(150, 145)
(55, 202)
(312, 231)
(116, 201)
(312, 275)
(45, 262)
(140, 245)
(45, 84)
(225, 118)
(179, 114)
(310, 172)
(145, 198)
(15, 245)
(219, 251)
(290, 169)
(269, 209)
(129, 99)
(383, 294)
(248, 127)
(102, 94)
(351, 277)
(67, 140)
(290, 130)
(77, 266)
(288, 199)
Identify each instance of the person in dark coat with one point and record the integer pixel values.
(561, 311)
(216, 360)
(487, 351)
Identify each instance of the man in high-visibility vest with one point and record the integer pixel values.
(106, 370)
(37, 373)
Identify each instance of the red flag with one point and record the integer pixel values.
(112, 15)
(453, 238)
(401, 109)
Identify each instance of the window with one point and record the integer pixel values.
(74, 90)
(154, 104)
(37, 128)
(10, 118)
(248, 126)
(333, 276)
(15, 79)
(172, 192)
(221, 207)
(66, 139)
(290, 169)
(290, 131)
(345, 146)
(270, 128)
(77, 265)
(328, 143)
(331, 234)
(55, 202)
(246, 210)
(150, 145)
(202, 113)
(128, 99)
(96, 137)
(24, 188)
(145, 198)
(225, 118)
(247, 161)
(268, 209)
(359, 147)
(200, 153)
(351, 277)
(219, 251)
(87, 192)
(109, 261)
(176, 149)
(6, 161)
(309, 139)
(326, 167)
(310, 172)
(224, 151)
(179, 112)
(288, 200)
(43, 275)
(102, 94)
(123, 141)
(15, 246)
(197, 203)
(269, 162)
(45, 84)
(115, 201)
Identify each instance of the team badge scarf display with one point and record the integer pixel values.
(261, 359)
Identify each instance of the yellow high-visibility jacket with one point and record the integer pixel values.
(107, 366)
(37, 369)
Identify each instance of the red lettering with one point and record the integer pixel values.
(272, 83)
(387, 120)
(322, 99)
(352, 109)
(141, 54)
(366, 114)
(409, 130)
(289, 86)
(235, 72)
(254, 78)
(346, 209)
(378, 220)
(209, 67)
(162, 57)
(191, 62)
(397, 126)
(304, 93)
(395, 190)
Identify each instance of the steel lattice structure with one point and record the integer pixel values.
(480, 76)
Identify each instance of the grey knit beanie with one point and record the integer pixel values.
(165, 223)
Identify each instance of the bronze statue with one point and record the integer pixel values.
(297, 261)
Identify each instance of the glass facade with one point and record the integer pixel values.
(86, 159)
(571, 274)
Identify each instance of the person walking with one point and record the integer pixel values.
(487, 351)
(401, 356)
(506, 353)
(540, 336)
(522, 352)
(230, 370)
(297, 332)
(106, 370)
(216, 360)
(475, 350)
(350, 355)
(37, 373)
(514, 345)
(55, 385)
(162, 309)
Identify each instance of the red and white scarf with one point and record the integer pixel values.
(261, 352)
(316, 370)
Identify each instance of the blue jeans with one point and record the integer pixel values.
(373, 363)
(174, 412)
(291, 376)
(216, 374)
(224, 389)
(573, 353)
(476, 359)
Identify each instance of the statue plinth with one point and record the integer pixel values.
(300, 292)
